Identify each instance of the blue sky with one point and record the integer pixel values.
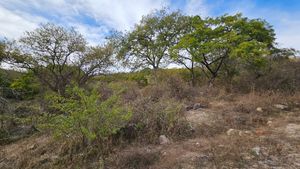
(96, 18)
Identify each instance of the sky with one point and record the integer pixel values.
(96, 18)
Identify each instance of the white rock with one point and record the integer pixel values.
(259, 109)
(256, 150)
(281, 106)
(245, 133)
(231, 132)
(163, 140)
(269, 123)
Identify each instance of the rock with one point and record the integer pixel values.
(259, 109)
(163, 140)
(32, 147)
(281, 106)
(269, 123)
(245, 133)
(232, 132)
(189, 107)
(256, 150)
(293, 130)
(235, 132)
(200, 106)
(197, 106)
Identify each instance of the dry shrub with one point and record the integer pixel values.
(157, 109)
(172, 86)
(127, 89)
(179, 89)
(281, 76)
(155, 117)
(227, 152)
(243, 114)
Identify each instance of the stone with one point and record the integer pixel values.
(197, 106)
(259, 109)
(163, 140)
(232, 132)
(32, 147)
(256, 150)
(189, 107)
(281, 106)
(245, 133)
(269, 123)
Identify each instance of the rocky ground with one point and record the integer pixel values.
(228, 133)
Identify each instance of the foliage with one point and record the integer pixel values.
(58, 56)
(147, 45)
(86, 116)
(213, 41)
(26, 86)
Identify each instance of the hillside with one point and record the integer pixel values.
(157, 88)
(232, 131)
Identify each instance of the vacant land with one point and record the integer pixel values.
(231, 101)
(256, 130)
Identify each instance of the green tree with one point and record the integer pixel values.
(148, 43)
(57, 56)
(216, 42)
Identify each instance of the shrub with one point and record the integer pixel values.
(85, 116)
(153, 117)
(26, 86)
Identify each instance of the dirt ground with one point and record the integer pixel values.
(244, 132)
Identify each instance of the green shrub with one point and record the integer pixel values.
(86, 116)
(26, 86)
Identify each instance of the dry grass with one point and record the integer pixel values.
(208, 147)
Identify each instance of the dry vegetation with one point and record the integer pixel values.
(235, 104)
(230, 130)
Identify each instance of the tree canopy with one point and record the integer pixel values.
(148, 43)
(214, 41)
(59, 56)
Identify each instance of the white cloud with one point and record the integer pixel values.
(196, 7)
(108, 14)
(13, 24)
(118, 14)
(16, 16)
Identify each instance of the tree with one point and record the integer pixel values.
(58, 56)
(215, 42)
(148, 44)
(97, 60)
